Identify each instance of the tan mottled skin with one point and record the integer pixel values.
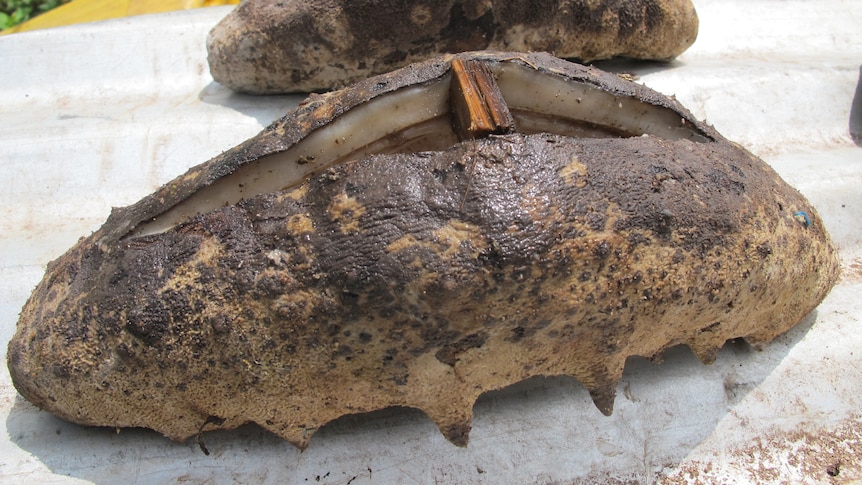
(420, 280)
(270, 47)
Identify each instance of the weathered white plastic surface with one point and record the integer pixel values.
(95, 116)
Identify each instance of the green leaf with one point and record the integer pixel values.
(21, 14)
(13, 12)
(48, 5)
(5, 21)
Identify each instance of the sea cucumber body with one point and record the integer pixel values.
(419, 279)
(275, 47)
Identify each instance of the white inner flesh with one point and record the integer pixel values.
(550, 98)
(380, 126)
(416, 118)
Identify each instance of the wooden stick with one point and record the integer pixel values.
(478, 107)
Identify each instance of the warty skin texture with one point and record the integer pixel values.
(270, 47)
(420, 279)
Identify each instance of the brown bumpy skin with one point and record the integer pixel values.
(299, 46)
(420, 279)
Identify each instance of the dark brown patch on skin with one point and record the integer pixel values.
(628, 17)
(149, 323)
(463, 32)
(449, 353)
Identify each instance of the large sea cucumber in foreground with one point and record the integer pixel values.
(269, 47)
(416, 240)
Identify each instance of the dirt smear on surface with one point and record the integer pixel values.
(830, 455)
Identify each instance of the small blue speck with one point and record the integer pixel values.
(804, 218)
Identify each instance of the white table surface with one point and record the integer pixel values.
(99, 115)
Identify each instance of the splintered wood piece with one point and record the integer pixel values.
(478, 107)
